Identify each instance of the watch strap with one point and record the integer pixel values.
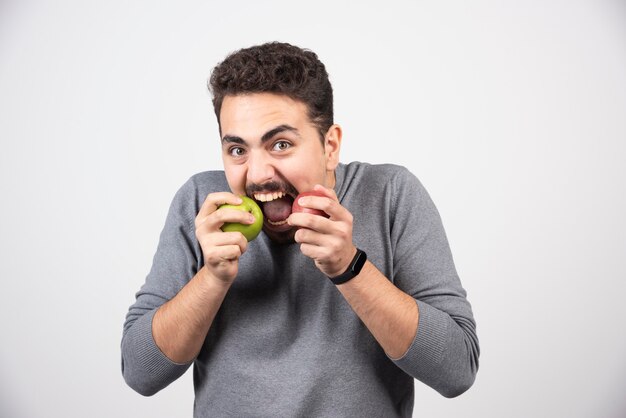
(353, 269)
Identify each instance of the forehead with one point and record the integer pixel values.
(254, 113)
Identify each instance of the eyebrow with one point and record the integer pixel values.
(233, 139)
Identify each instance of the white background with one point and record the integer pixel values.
(512, 113)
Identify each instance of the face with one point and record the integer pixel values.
(272, 151)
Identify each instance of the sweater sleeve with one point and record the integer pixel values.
(444, 354)
(144, 367)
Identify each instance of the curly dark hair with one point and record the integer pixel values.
(276, 67)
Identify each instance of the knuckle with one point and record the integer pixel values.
(219, 215)
(243, 245)
(341, 234)
(233, 252)
(326, 253)
(308, 221)
(326, 204)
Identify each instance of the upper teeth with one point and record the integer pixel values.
(268, 197)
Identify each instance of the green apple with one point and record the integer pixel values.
(250, 231)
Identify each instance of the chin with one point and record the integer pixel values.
(280, 237)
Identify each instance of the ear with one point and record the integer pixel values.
(332, 146)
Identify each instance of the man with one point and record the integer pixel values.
(318, 316)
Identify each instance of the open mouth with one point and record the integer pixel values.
(276, 206)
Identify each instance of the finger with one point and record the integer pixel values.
(316, 252)
(328, 192)
(215, 200)
(309, 250)
(309, 221)
(308, 236)
(214, 222)
(329, 244)
(329, 203)
(229, 215)
(228, 253)
(222, 239)
(223, 245)
(223, 255)
(329, 261)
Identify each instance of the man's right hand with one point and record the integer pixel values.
(221, 250)
(180, 326)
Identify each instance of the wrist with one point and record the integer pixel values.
(212, 282)
(354, 268)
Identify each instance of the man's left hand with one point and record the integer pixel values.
(328, 241)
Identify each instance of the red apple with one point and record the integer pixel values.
(295, 208)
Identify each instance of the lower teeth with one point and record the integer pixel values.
(277, 223)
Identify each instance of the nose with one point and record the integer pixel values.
(260, 169)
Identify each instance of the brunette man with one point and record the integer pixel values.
(329, 317)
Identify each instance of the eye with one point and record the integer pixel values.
(236, 152)
(281, 145)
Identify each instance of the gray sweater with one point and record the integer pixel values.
(285, 343)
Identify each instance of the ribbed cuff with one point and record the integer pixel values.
(427, 350)
(145, 365)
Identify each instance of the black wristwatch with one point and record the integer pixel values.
(353, 269)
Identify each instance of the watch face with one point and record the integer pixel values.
(359, 262)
